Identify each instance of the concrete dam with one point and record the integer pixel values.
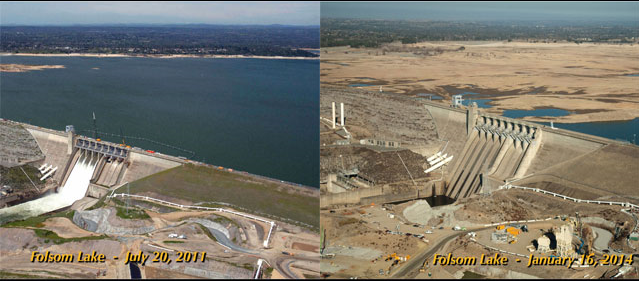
(496, 148)
(73, 190)
(88, 168)
(491, 150)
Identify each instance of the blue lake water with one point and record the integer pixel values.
(468, 99)
(255, 115)
(553, 112)
(616, 130)
(481, 103)
(633, 75)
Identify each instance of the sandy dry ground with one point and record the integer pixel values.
(463, 247)
(66, 229)
(17, 244)
(353, 235)
(25, 67)
(591, 80)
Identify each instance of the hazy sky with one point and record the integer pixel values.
(623, 11)
(66, 13)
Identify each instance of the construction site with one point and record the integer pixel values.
(63, 193)
(404, 179)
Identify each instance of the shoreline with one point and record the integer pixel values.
(600, 116)
(156, 56)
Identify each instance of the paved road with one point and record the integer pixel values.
(222, 239)
(603, 238)
(283, 264)
(410, 269)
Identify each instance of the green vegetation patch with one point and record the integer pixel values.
(173, 242)
(207, 232)
(131, 213)
(269, 271)
(225, 221)
(347, 221)
(52, 236)
(15, 177)
(202, 184)
(38, 221)
(160, 207)
(101, 203)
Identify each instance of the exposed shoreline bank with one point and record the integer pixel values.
(157, 56)
(25, 67)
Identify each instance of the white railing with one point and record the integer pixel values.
(439, 164)
(259, 268)
(623, 204)
(201, 208)
(48, 173)
(521, 221)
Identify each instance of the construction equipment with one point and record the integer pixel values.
(513, 231)
(423, 268)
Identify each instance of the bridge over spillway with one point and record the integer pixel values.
(113, 160)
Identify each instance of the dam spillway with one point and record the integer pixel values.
(74, 189)
(87, 168)
(491, 150)
(495, 147)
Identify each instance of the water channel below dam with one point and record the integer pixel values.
(74, 189)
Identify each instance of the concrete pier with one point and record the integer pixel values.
(333, 109)
(341, 113)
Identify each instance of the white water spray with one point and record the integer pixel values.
(74, 189)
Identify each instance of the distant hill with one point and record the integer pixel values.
(250, 40)
(374, 33)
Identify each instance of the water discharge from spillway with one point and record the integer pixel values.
(74, 189)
